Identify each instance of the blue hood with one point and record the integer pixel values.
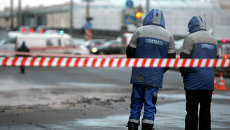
(156, 17)
(196, 23)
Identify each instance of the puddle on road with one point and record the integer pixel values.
(110, 121)
(172, 114)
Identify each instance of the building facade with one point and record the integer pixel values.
(107, 16)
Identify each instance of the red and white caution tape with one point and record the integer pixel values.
(65, 55)
(59, 55)
(110, 62)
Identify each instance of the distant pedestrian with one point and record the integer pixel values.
(198, 82)
(23, 48)
(151, 40)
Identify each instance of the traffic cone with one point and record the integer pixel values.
(221, 86)
(215, 85)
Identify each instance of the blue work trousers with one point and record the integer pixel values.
(143, 95)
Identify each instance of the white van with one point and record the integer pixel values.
(35, 41)
(55, 43)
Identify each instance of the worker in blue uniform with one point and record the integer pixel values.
(151, 40)
(198, 82)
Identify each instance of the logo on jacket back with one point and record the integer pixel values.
(152, 41)
(208, 46)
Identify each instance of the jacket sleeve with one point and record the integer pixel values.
(183, 70)
(170, 55)
(130, 52)
(187, 45)
(186, 53)
(171, 51)
(131, 49)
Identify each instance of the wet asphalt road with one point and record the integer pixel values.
(171, 104)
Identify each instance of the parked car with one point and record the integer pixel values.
(7, 45)
(94, 43)
(43, 42)
(38, 41)
(110, 47)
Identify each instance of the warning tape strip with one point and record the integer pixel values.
(110, 62)
(65, 55)
(59, 55)
(54, 48)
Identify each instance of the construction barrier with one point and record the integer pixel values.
(221, 86)
(215, 85)
(110, 62)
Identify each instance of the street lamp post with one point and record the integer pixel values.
(11, 15)
(147, 6)
(71, 17)
(87, 9)
(19, 13)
